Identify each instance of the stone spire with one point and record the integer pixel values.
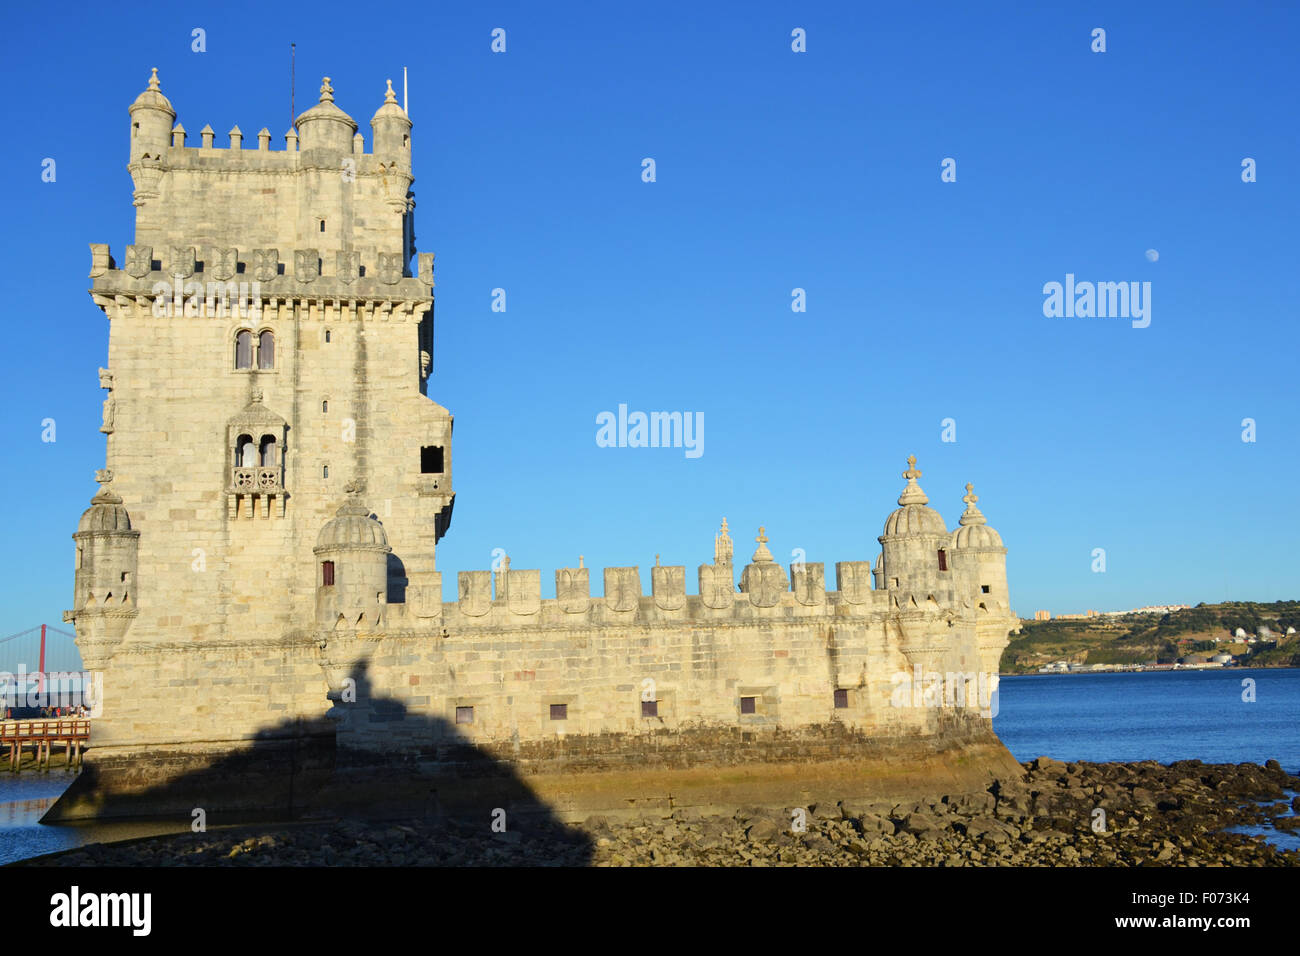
(389, 95)
(722, 548)
(912, 494)
(762, 555)
(153, 80)
(326, 91)
(972, 514)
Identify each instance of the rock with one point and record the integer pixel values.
(873, 825)
(1143, 797)
(921, 824)
(1048, 765)
(764, 830)
(827, 810)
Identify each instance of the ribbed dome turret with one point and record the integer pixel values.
(974, 531)
(152, 98)
(913, 517)
(106, 513)
(352, 528)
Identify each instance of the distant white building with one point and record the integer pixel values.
(1240, 632)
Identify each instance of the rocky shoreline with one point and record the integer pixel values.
(1075, 814)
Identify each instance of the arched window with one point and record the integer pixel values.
(244, 457)
(243, 349)
(267, 452)
(266, 350)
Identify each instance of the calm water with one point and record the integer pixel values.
(1161, 715)
(1164, 716)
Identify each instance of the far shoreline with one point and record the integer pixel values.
(1181, 669)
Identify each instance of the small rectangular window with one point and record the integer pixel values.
(559, 712)
(464, 715)
(327, 336)
(322, 225)
(943, 560)
(748, 705)
(327, 573)
(841, 698)
(984, 588)
(649, 708)
(431, 460)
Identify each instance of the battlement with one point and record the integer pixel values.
(205, 278)
(517, 600)
(322, 191)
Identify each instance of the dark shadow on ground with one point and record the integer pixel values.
(428, 775)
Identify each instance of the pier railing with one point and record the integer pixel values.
(41, 736)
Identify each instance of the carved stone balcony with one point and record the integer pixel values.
(261, 480)
(249, 484)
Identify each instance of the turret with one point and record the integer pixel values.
(979, 558)
(392, 131)
(151, 136)
(325, 126)
(152, 117)
(103, 604)
(352, 567)
(914, 547)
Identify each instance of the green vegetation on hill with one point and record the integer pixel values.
(1142, 638)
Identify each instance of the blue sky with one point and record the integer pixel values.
(775, 170)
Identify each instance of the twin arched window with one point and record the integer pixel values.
(244, 347)
(250, 455)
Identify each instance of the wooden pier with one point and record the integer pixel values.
(42, 736)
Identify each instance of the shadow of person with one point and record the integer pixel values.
(369, 758)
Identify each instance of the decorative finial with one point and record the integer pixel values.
(972, 514)
(580, 564)
(389, 95)
(912, 494)
(762, 554)
(257, 395)
(326, 91)
(104, 475)
(722, 548)
(353, 488)
(656, 560)
(153, 80)
(762, 538)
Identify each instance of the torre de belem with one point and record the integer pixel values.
(256, 579)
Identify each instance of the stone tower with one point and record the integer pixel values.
(269, 343)
(256, 578)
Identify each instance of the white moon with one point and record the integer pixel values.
(1152, 255)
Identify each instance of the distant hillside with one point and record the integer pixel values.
(1139, 638)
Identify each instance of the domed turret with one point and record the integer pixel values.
(106, 513)
(151, 136)
(325, 126)
(763, 579)
(392, 129)
(352, 566)
(152, 117)
(973, 530)
(980, 557)
(914, 545)
(103, 604)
